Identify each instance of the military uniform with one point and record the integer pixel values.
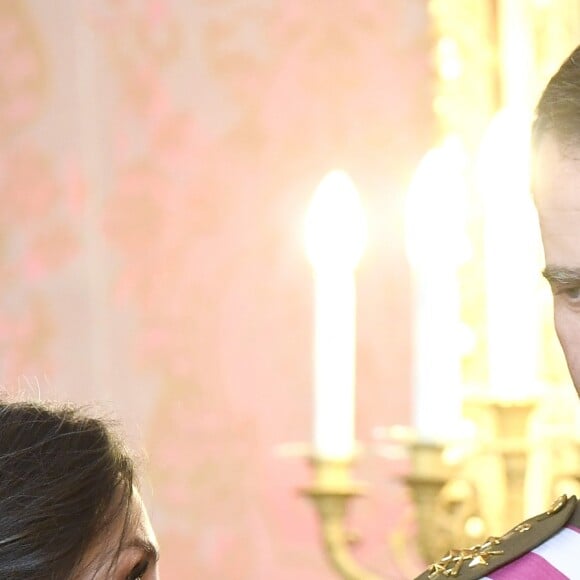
(545, 547)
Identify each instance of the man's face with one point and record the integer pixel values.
(556, 185)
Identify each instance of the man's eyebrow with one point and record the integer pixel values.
(149, 548)
(560, 276)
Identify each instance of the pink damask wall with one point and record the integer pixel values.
(156, 161)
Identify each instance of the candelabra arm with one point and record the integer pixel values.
(331, 492)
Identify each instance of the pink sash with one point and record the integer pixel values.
(556, 559)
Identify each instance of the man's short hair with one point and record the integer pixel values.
(558, 110)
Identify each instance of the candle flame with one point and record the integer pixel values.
(335, 228)
(436, 208)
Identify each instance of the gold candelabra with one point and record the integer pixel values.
(461, 500)
(332, 490)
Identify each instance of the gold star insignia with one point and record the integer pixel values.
(479, 560)
(454, 555)
(435, 570)
(557, 505)
(491, 541)
(456, 568)
(453, 561)
(520, 528)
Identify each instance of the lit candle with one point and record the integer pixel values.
(513, 256)
(335, 240)
(437, 244)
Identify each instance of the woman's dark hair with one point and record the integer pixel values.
(65, 480)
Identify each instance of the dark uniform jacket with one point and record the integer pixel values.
(499, 552)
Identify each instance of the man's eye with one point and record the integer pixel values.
(571, 294)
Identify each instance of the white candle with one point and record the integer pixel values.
(437, 244)
(513, 256)
(335, 239)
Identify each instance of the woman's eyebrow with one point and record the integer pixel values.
(148, 547)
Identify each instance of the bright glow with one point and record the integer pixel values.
(437, 244)
(335, 240)
(436, 208)
(336, 230)
(517, 53)
(513, 256)
(448, 60)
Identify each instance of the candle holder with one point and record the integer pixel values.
(462, 491)
(331, 491)
(459, 504)
(429, 475)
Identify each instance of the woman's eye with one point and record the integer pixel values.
(138, 570)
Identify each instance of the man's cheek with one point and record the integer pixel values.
(568, 330)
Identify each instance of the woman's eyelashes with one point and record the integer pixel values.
(139, 570)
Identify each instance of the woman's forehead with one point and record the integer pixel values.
(131, 533)
(140, 532)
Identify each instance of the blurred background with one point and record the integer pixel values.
(157, 160)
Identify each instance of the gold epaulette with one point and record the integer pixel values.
(478, 561)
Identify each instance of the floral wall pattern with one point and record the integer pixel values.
(156, 161)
